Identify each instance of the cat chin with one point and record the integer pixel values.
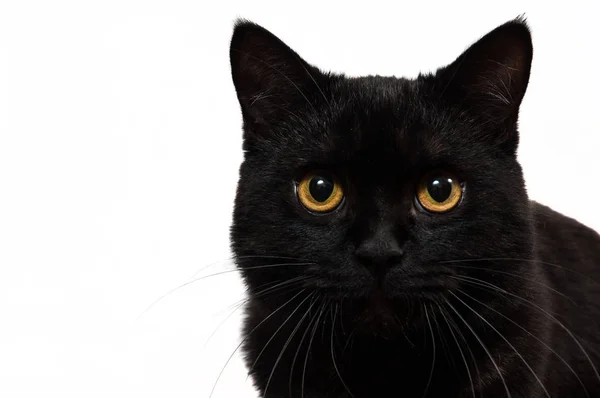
(384, 316)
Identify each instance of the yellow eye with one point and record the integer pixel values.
(320, 192)
(439, 192)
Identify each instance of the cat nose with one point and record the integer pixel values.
(380, 251)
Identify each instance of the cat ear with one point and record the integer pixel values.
(272, 82)
(492, 75)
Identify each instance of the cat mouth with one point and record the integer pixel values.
(382, 291)
(411, 284)
(382, 312)
(377, 311)
(377, 299)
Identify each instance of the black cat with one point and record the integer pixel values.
(384, 232)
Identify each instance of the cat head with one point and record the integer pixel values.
(376, 190)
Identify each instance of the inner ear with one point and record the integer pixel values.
(492, 75)
(273, 83)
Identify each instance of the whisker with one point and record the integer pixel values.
(445, 345)
(468, 347)
(404, 331)
(482, 346)
(433, 355)
(287, 343)
(248, 335)
(467, 260)
(459, 348)
(333, 355)
(505, 340)
(271, 257)
(239, 305)
(531, 334)
(233, 311)
(478, 282)
(210, 265)
(274, 288)
(216, 274)
(232, 258)
(330, 309)
(312, 337)
(310, 322)
(520, 277)
(559, 323)
(341, 315)
(348, 339)
(277, 331)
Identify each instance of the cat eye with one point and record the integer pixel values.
(439, 192)
(320, 192)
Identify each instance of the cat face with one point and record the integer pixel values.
(369, 189)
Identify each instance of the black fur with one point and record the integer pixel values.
(436, 296)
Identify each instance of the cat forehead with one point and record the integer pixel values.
(378, 116)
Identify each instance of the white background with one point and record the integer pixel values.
(120, 143)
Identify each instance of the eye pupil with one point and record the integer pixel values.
(319, 192)
(440, 188)
(321, 187)
(439, 192)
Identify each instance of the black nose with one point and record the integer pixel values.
(380, 251)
